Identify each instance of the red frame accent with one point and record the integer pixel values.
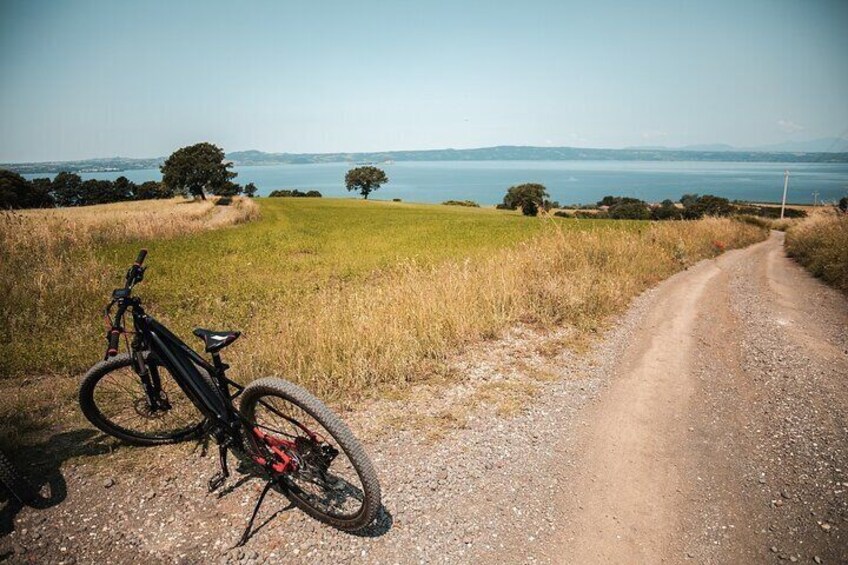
(284, 463)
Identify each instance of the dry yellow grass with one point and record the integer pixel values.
(820, 243)
(50, 272)
(343, 344)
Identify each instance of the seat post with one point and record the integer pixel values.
(220, 367)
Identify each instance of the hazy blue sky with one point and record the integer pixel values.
(93, 79)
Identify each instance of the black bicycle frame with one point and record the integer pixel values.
(182, 362)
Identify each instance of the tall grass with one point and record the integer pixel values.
(820, 243)
(51, 278)
(341, 344)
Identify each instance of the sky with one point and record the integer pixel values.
(140, 79)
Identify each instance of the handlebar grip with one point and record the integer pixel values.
(114, 339)
(141, 255)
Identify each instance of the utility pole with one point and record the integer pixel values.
(785, 186)
(816, 198)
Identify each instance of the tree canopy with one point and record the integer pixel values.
(365, 180)
(17, 192)
(529, 197)
(198, 168)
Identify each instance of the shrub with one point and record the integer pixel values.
(294, 193)
(629, 209)
(468, 203)
(769, 211)
(706, 205)
(843, 204)
(585, 214)
(563, 214)
(396, 200)
(666, 211)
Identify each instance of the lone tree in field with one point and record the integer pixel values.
(365, 180)
(194, 169)
(529, 197)
(250, 190)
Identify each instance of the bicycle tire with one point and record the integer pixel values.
(353, 450)
(104, 423)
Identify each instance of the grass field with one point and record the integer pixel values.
(820, 243)
(346, 297)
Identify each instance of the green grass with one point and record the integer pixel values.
(301, 246)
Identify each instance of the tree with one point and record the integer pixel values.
(250, 190)
(197, 168)
(67, 189)
(365, 180)
(313, 194)
(529, 197)
(17, 192)
(123, 188)
(152, 189)
(41, 193)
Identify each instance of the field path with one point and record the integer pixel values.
(709, 424)
(722, 435)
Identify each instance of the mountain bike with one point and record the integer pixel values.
(162, 391)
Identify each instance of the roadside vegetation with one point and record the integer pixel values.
(820, 243)
(345, 297)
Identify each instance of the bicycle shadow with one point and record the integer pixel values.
(250, 471)
(41, 464)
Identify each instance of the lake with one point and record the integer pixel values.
(567, 181)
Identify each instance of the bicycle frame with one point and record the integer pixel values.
(182, 361)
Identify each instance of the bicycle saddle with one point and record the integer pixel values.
(216, 341)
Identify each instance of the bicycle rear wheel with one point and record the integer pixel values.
(112, 397)
(334, 481)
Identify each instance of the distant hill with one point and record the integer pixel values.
(823, 145)
(714, 152)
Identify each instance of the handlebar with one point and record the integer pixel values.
(136, 272)
(121, 297)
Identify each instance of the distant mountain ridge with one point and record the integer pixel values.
(823, 145)
(714, 152)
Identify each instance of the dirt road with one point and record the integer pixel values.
(710, 425)
(722, 436)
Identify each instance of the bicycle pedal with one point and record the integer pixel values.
(216, 482)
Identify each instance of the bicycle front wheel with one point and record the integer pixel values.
(113, 398)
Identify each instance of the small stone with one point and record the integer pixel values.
(762, 480)
(774, 549)
(150, 495)
(109, 483)
(784, 494)
(793, 559)
(825, 527)
(778, 502)
(817, 559)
